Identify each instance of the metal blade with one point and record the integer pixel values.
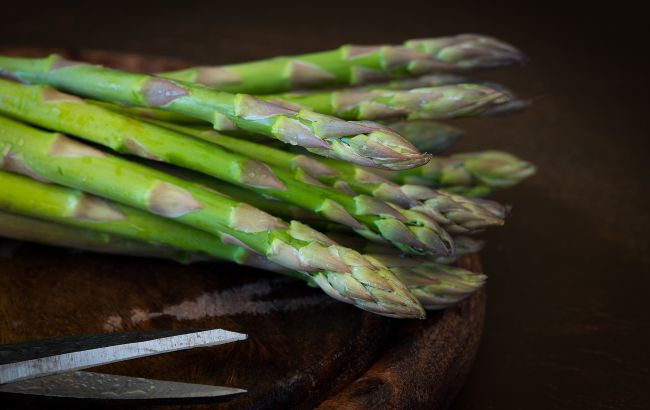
(28, 360)
(112, 388)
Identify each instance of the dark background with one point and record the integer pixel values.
(567, 323)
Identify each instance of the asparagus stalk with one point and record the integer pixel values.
(374, 146)
(448, 101)
(427, 282)
(30, 229)
(48, 108)
(428, 136)
(461, 215)
(512, 105)
(455, 213)
(80, 211)
(473, 174)
(355, 65)
(151, 113)
(363, 98)
(340, 272)
(304, 167)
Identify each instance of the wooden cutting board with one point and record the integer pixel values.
(304, 349)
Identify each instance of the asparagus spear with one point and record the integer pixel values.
(474, 174)
(456, 213)
(355, 65)
(340, 272)
(374, 146)
(304, 167)
(48, 108)
(333, 97)
(30, 229)
(465, 246)
(461, 215)
(514, 104)
(427, 282)
(447, 101)
(152, 113)
(79, 211)
(436, 285)
(428, 136)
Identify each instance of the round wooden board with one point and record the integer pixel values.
(304, 349)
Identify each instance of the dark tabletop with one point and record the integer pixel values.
(567, 323)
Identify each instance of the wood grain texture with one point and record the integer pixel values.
(304, 349)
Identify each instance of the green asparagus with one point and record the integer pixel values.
(447, 101)
(514, 104)
(474, 174)
(76, 209)
(465, 245)
(461, 215)
(436, 285)
(30, 229)
(340, 272)
(429, 281)
(49, 108)
(456, 213)
(374, 146)
(428, 136)
(355, 65)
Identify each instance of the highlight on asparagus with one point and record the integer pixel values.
(279, 176)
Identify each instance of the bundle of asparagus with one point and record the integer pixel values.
(180, 168)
